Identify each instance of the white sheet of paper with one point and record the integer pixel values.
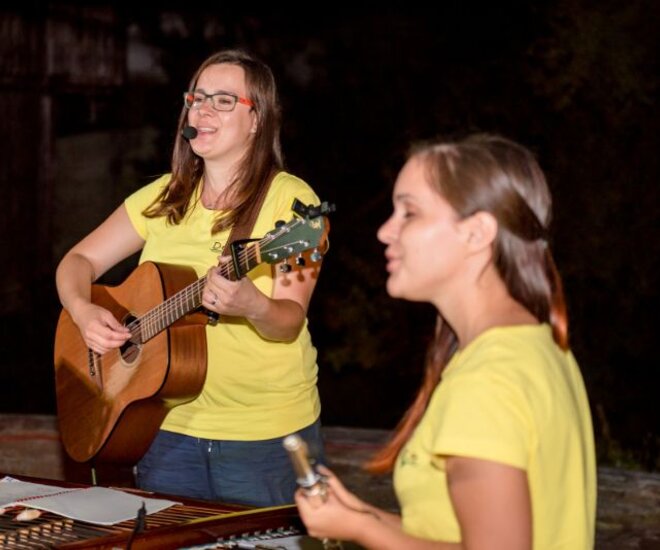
(97, 505)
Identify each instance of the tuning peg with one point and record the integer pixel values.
(285, 268)
(316, 255)
(300, 261)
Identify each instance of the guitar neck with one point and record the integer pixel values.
(189, 298)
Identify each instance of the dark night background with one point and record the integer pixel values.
(89, 98)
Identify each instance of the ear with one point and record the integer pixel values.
(479, 230)
(255, 122)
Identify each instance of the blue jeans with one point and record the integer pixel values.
(256, 473)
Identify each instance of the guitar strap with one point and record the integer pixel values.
(243, 229)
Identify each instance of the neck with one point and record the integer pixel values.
(216, 183)
(482, 303)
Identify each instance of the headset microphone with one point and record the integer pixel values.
(189, 132)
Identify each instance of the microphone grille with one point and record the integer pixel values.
(189, 132)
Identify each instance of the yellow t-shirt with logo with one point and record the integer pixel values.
(511, 396)
(255, 388)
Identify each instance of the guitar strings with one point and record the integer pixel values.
(185, 300)
(151, 323)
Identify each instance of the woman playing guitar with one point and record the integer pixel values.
(225, 443)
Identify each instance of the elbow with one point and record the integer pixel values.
(293, 334)
(76, 262)
(282, 321)
(287, 327)
(284, 335)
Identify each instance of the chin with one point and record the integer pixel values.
(396, 290)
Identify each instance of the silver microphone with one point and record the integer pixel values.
(311, 482)
(307, 478)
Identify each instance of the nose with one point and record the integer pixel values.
(385, 233)
(207, 104)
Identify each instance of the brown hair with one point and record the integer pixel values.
(496, 175)
(263, 158)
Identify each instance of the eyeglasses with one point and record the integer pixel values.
(221, 101)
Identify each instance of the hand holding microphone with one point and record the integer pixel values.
(311, 482)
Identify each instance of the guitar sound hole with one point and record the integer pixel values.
(130, 351)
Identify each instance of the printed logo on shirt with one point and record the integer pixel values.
(216, 247)
(408, 458)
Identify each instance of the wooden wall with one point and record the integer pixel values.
(58, 66)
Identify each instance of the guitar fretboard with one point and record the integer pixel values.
(243, 260)
(189, 298)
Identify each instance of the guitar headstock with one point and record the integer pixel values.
(307, 230)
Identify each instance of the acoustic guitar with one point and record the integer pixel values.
(110, 406)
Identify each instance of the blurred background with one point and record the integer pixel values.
(89, 99)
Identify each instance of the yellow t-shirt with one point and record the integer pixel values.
(511, 396)
(255, 389)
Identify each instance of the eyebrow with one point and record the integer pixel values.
(405, 196)
(216, 92)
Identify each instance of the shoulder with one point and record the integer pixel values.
(499, 392)
(511, 346)
(141, 199)
(521, 361)
(284, 189)
(508, 365)
(284, 182)
(150, 191)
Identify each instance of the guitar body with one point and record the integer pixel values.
(110, 406)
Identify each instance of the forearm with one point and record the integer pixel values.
(111, 242)
(384, 533)
(74, 277)
(279, 320)
(387, 518)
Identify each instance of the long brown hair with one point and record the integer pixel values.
(263, 158)
(496, 175)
